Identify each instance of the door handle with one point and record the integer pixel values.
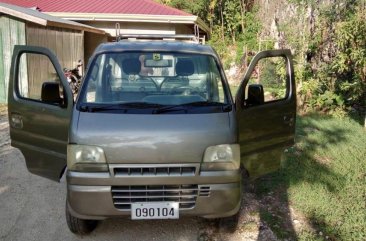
(288, 120)
(16, 121)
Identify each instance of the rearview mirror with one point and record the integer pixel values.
(255, 95)
(162, 63)
(51, 93)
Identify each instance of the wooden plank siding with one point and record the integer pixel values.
(91, 42)
(2, 74)
(68, 45)
(12, 33)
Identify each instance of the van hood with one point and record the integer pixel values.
(166, 138)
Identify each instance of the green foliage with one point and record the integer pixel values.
(222, 46)
(350, 62)
(323, 178)
(196, 7)
(234, 24)
(248, 39)
(245, 40)
(329, 45)
(232, 17)
(330, 55)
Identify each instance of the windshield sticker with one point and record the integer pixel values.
(156, 57)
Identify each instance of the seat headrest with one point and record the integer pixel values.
(131, 66)
(184, 67)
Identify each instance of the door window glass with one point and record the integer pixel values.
(271, 73)
(217, 90)
(34, 71)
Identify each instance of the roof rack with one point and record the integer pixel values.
(181, 37)
(192, 38)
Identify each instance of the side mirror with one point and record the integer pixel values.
(51, 93)
(255, 95)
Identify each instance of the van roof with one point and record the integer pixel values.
(159, 46)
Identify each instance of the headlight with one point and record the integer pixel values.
(222, 157)
(86, 158)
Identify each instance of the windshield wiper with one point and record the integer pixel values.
(119, 106)
(187, 106)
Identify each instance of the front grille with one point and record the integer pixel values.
(154, 171)
(185, 195)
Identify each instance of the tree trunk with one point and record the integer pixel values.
(222, 23)
(242, 10)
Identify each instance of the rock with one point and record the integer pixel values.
(295, 221)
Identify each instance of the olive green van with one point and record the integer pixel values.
(154, 132)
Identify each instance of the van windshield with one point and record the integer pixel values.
(154, 80)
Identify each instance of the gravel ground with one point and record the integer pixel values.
(32, 208)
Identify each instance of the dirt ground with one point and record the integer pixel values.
(32, 208)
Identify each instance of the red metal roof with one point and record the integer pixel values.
(148, 7)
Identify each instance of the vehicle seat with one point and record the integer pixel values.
(132, 68)
(183, 69)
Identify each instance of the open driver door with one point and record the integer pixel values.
(266, 111)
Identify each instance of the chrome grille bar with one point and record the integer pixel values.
(126, 170)
(185, 195)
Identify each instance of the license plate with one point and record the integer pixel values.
(155, 210)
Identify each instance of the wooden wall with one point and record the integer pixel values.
(12, 32)
(67, 44)
(91, 42)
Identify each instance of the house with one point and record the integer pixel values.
(133, 17)
(74, 28)
(29, 27)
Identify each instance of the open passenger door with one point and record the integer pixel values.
(266, 111)
(40, 103)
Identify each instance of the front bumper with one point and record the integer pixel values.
(89, 195)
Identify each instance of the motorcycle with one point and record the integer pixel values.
(74, 78)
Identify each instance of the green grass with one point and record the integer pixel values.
(324, 178)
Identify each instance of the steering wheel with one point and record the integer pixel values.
(184, 90)
(147, 79)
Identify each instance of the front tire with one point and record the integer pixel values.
(79, 226)
(230, 224)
